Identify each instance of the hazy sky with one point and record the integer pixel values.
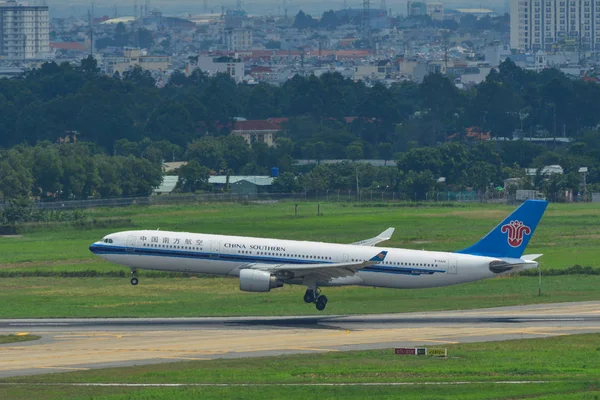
(263, 7)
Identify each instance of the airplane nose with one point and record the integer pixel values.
(94, 247)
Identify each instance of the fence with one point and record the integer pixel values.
(346, 196)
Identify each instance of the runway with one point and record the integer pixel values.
(80, 344)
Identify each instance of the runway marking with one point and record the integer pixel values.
(279, 384)
(528, 332)
(185, 358)
(309, 348)
(68, 368)
(434, 341)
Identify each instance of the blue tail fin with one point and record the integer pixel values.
(510, 238)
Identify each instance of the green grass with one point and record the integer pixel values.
(164, 297)
(4, 339)
(568, 365)
(567, 235)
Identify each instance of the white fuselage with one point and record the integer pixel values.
(227, 255)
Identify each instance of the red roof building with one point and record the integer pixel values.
(69, 46)
(257, 131)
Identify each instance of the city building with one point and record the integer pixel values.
(555, 24)
(24, 31)
(237, 38)
(416, 8)
(257, 131)
(233, 67)
(133, 57)
(435, 11)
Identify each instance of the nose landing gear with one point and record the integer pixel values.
(134, 279)
(314, 296)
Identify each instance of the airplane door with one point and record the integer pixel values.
(346, 258)
(131, 243)
(215, 249)
(452, 267)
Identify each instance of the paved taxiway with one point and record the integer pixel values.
(79, 344)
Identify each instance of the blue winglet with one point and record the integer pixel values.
(510, 238)
(379, 257)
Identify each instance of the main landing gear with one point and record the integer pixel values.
(314, 296)
(134, 279)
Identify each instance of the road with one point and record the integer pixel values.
(80, 344)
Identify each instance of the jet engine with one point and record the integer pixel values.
(252, 280)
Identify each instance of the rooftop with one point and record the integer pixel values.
(257, 180)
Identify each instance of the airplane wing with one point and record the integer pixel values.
(325, 272)
(382, 237)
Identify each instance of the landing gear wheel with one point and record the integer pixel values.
(321, 303)
(134, 281)
(309, 296)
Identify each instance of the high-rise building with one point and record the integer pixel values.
(238, 39)
(24, 31)
(553, 24)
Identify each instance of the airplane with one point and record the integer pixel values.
(263, 264)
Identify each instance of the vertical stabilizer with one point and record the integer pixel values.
(511, 236)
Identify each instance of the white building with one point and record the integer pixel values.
(238, 39)
(435, 11)
(229, 65)
(24, 31)
(548, 24)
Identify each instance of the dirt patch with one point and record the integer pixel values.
(421, 241)
(11, 236)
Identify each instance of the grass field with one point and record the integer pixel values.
(163, 297)
(4, 339)
(566, 367)
(567, 235)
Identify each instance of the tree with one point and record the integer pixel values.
(418, 184)
(15, 179)
(139, 176)
(354, 151)
(329, 20)
(89, 65)
(171, 121)
(287, 183)
(47, 170)
(109, 172)
(304, 21)
(420, 160)
(145, 39)
(121, 35)
(139, 76)
(482, 175)
(273, 45)
(192, 177)
(236, 151)
(207, 151)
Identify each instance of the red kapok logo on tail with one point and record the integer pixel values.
(516, 230)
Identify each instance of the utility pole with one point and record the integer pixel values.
(366, 22)
(91, 28)
(357, 189)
